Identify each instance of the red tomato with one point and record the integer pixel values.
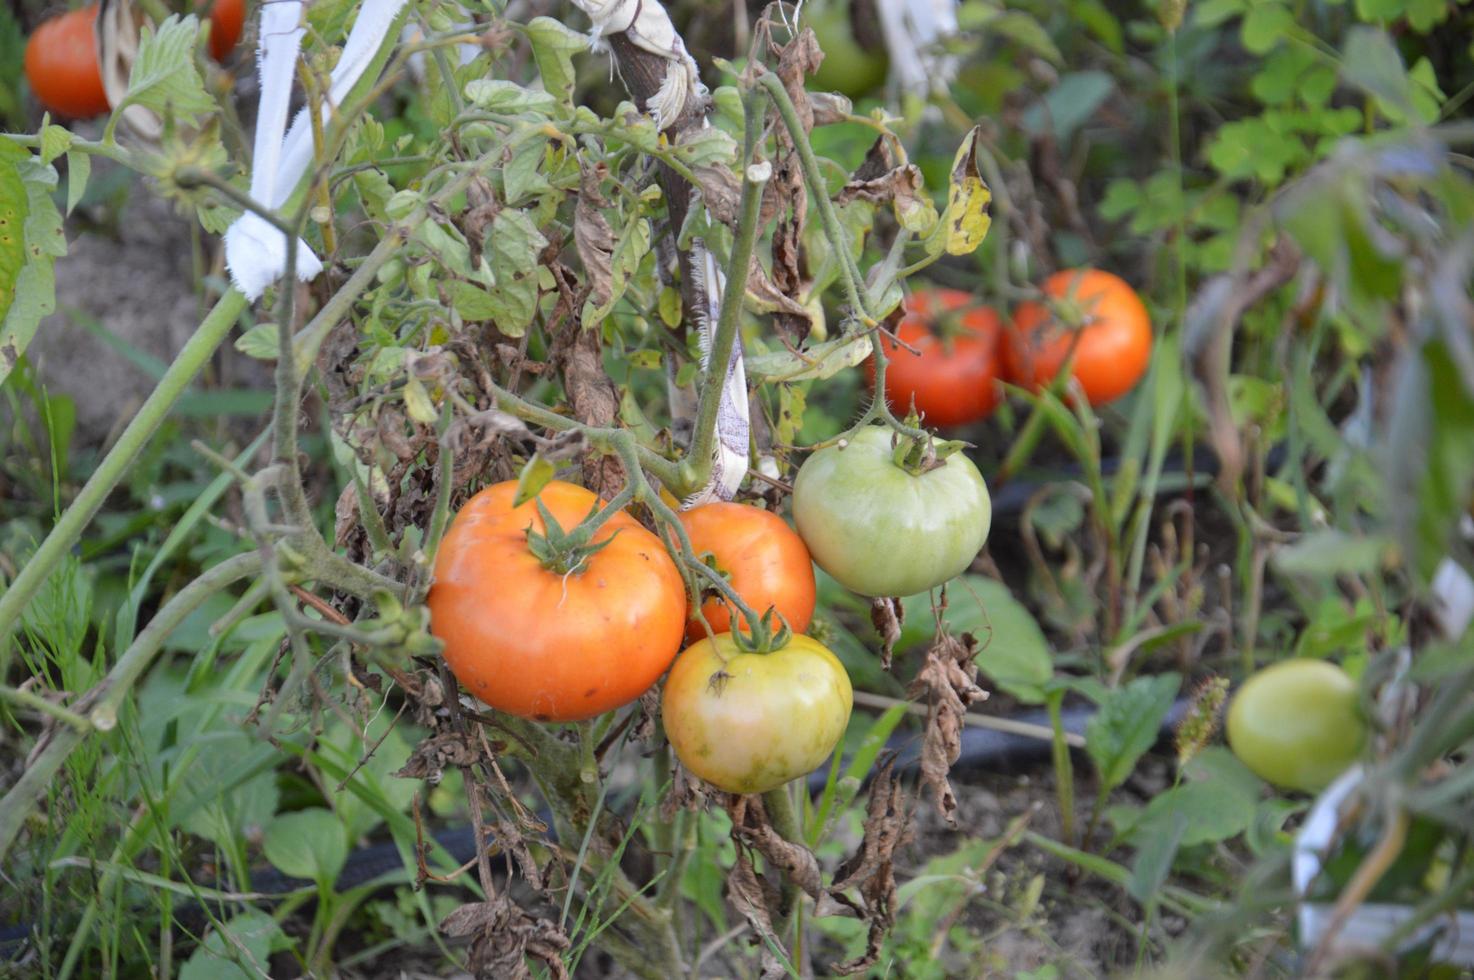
(1114, 346)
(544, 643)
(953, 380)
(764, 560)
(227, 18)
(61, 65)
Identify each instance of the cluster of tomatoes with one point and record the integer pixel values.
(62, 62)
(565, 635)
(963, 349)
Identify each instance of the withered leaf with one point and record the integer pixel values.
(887, 614)
(751, 826)
(434, 755)
(871, 869)
(505, 936)
(592, 235)
(752, 897)
(947, 682)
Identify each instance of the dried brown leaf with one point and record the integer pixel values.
(872, 868)
(751, 826)
(592, 236)
(434, 755)
(505, 935)
(753, 898)
(947, 682)
(887, 615)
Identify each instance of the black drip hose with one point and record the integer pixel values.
(982, 749)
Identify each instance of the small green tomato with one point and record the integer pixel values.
(1297, 724)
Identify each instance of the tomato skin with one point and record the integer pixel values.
(847, 67)
(543, 645)
(766, 563)
(879, 530)
(61, 65)
(227, 18)
(1114, 348)
(1297, 724)
(751, 722)
(952, 381)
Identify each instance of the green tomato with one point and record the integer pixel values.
(1297, 724)
(751, 722)
(882, 530)
(847, 68)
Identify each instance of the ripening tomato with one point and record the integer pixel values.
(543, 641)
(750, 722)
(882, 530)
(762, 558)
(1297, 724)
(227, 17)
(954, 380)
(61, 65)
(1114, 345)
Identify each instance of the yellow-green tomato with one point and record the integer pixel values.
(882, 530)
(1297, 724)
(751, 722)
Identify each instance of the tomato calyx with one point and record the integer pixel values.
(566, 552)
(768, 634)
(920, 456)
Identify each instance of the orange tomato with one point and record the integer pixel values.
(1114, 345)
(765, 561)
(953, 380)
(61, 65)
(544, 644)
(227, 17)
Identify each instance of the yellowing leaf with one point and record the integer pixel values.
(968, 198)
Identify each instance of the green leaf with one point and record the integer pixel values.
(261, 342)
(500, 95)
(1126, 726)
(1372, 64)
(1028, 33)
(823, 360)
(310, 844)
(514, 245)
(1217, 801)
(553, 47)
(417, 403)
(31, 238)
(79, 170)
(164, 76)
(55, 140)
(243, 955)
(471, 301)
(1070, 103)
(1154, 856)
(1013, 652)
(536, 473)
(522, 174)
(1264, 26)
(1332, 552)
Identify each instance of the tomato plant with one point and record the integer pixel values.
(1111, 349)
(848, 67)
(1297, 724)
(750, 722)
(558, 636)
(953, 377)
(762, 558)
(61, 65)
(227, 18)
(883, 527)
